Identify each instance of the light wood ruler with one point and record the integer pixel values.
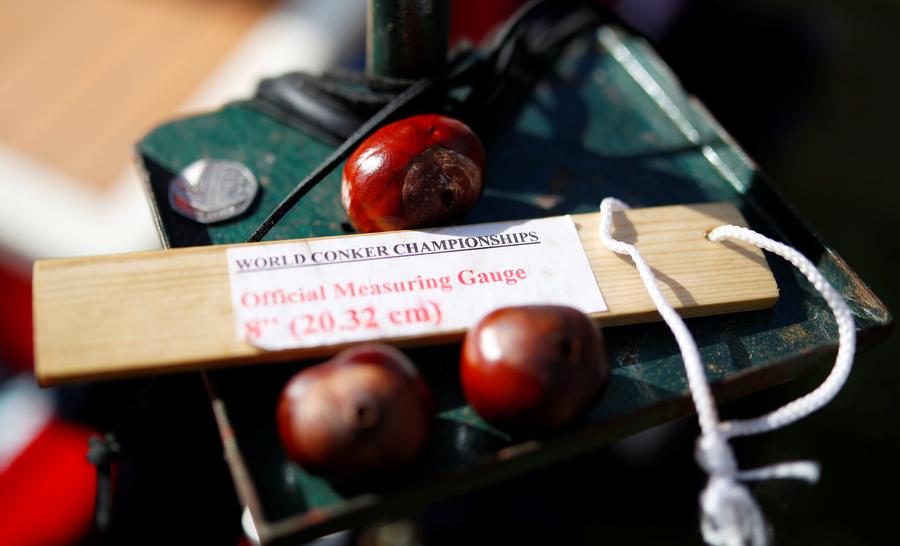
(170, 310)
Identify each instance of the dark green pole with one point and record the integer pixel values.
(406, 38)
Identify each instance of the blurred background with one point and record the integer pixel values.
(809, 88)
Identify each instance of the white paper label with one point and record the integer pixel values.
(390, 285)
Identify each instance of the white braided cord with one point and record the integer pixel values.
(843, 363)
(730, 515)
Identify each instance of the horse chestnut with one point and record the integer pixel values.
(533, 366)
(417, 172)
(366, 408)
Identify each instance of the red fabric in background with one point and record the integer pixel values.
(47, 493)
(474, 19)
(16, 347)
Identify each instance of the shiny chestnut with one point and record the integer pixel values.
(366, 408)
(417, 172)
(533, 367)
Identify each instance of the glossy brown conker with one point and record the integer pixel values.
(533, 367)
(367, 408)
(420, 171)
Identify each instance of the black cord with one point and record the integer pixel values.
(490, 74)
(412, 93)
(486, 75)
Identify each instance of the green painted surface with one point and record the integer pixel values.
(277, 154)
(600, 124)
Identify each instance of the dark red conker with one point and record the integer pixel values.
(366, 408)
(533, 367)
(417, 172)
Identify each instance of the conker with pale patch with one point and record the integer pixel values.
(533, 367)
(365, 409)
(421, 171)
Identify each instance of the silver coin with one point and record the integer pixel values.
(212, 190)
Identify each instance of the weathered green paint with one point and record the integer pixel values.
(406, 38)
(589, 130)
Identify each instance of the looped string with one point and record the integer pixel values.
(730, 515)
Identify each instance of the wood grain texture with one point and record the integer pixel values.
(165, 311)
